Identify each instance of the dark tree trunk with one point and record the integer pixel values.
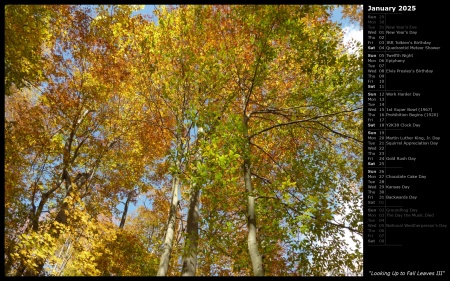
(125, 209)
(191, 242)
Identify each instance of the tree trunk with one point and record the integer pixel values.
(125, 210)
(34, 224)
(61, 218)
(167, 250)
(255, 256)
(191, 242)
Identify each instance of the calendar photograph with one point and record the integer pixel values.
(184, 140)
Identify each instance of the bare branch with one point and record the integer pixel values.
(247, 98)
(338, 133)
(270, 111)
(300, 121)
(312, 216)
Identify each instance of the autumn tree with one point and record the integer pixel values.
(289, 84)
(178, 80)
(83, 125)
(240, 124)
(27, 36)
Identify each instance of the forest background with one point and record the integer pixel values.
(236, 130)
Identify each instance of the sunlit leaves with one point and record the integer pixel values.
(27, 37)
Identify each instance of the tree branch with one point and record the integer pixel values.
(300, 121)
(247, 98)
(271, 111)
(312, 216)
(338, 133)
